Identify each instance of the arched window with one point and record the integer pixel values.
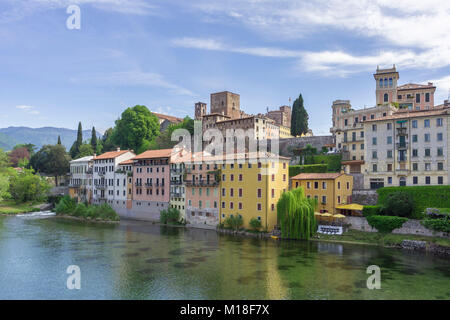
(390, 82)
(385, 83)
(386, 97)
(381, 83)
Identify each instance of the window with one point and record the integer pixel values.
(439, 122)
(389, 154)
(414, 124)
(415, 152)
(308, 185)
(440, 152)
(427, 166)
(374, 155)
(362, 146)
(415, 180)
(389, 126)
(240, 205)
(427, 180)
(389, 167)
(231, 192)
(427, 97)
(273, 193)
(386, 97)
(440, 180)
(240, 193)
(259, 176)
(427, 137)
(339, 185)
(324, 185)
(374, 141)
(324, 199)
(439, 136)
(374, 168)
(426, 123)
(223, 192)
(374, 127)
(389, 180)
(390, 82)
(417, 97)
(259, 193)
(415, 166)
(316, 185)
(389, 140)
(427, 152)
(348, 185)
(258, 206)
(414, 138)
(440, 166)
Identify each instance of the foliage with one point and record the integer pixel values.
(234, 222)
(59, 140)
(299, 118)
(107, 141)
(385, 224)
(398, 204)
(312, 168)
(94, 139)
(255, 224)
(54, 199)
(169, 216)
(136, 127)
(29, 146)
(296, 215)
(164, 140)
(85, 150)
(437, 224)
(4, 160)
(26, 186)
(372, 211)
(68, 206)
(333, 161)
(52, 160)
(75, 149)
(422, 196)
(18, 154)
(11, 207)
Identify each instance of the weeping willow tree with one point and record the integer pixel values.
(296, 215)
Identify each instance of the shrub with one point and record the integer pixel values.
(385, 224)
(66, 205)
(169, 216)
(311, 168)
(27, 186)
(398, 204)
(80, 210)
(333, 161)
(234, 222)
(371, 211)
(437, 224)
(255, 224)
(423, 197)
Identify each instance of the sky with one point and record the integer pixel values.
(169, 54)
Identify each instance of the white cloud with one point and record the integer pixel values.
(412, 33)
(28, 109)
(134, 78)
(442, 89)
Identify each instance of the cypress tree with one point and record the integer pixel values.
(299, 118)
(94, 140)
(75, 149)
(59, 139)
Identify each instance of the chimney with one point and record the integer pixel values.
(118, 148)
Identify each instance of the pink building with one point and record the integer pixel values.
(151, 184)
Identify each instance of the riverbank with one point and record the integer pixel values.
(88, 219)
(10, 207)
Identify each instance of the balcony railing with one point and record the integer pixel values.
(202, 183)
(402, 145)
(176, 194)
(402, 159)
(149, 184)
(402, 131)
(138, 184)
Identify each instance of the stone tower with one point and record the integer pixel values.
(386, 85)
(226, 103)
(200, 110)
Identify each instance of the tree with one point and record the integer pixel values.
(164, 140)
(26, 186)
(299, 118)
(136, 127)
(85, 150)
(94, 139)
(29, 146)
(5, 174)
(398, 204)
(76, 145)
(107, 141)
(52, 160)
(18, 154)
(59, 139)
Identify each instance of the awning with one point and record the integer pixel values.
(339, 216)
(353, 206)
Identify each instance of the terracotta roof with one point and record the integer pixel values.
(412, 114)
(316, 176)
(129, 161)
(412, 86)
(111, 154)
(150, 154)
(167, 117)
(204, 157)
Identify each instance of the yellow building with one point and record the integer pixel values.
(250, 188)
(330, 189)
(285, 132)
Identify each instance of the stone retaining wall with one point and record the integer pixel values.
(365, 197)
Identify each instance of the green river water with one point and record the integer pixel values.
(139, 260)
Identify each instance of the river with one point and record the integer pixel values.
(140, 260)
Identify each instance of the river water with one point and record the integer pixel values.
(139, 260)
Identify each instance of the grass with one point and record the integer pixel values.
(376, 238)
(10, 207)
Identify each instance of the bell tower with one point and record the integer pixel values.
(386, 85)
(200, 110)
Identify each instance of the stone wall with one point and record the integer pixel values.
(365, 197)
(358, 181)
(409, 227)
(147, 210)
(288, 144)
(61, 190)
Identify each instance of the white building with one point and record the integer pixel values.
(109, 181)
(80, 183)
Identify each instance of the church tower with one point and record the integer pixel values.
(386, 85)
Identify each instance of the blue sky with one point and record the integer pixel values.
(170, 54)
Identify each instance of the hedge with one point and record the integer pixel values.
(385, 224)
(437, 224)
(423, 197)
(311, 168)
(333, 161)
(371, 211)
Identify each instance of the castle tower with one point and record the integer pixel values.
(386, 85)
(340, 109)
(226, 103)
(200, 110)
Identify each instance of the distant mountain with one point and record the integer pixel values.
(11, 136)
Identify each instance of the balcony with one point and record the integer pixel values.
(402, 145)
(149, 184)
(101, 173)
(100, 186)
(176, 170)
(402, 131)
(402, 159)
(202, 183)
(138, 184)
(176, 194)
(176, 182)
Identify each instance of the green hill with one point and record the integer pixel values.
(11, 136)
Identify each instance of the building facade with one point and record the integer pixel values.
(329, 189)
(107, 179)
(80, 183)
(408, 148)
